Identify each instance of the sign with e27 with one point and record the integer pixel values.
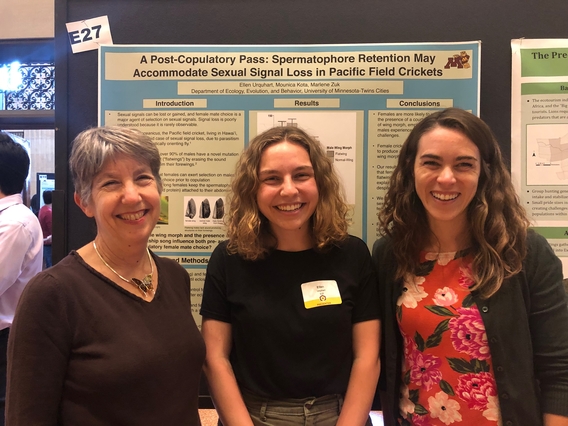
(89, 34)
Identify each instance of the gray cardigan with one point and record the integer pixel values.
(527, 328)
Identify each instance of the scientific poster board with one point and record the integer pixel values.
(539, 146)
(202, 104)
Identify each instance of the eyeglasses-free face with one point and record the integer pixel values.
(288, 193)
(446, 175)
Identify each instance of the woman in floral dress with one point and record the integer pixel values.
(475, 327)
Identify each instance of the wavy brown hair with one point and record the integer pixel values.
(249, 230)
(498, 222)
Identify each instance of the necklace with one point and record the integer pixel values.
(144, 285)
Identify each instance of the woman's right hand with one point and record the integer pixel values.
(222, 382)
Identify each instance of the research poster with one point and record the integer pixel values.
(539, 150)
(202, 104)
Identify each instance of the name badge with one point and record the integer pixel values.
(321, 293)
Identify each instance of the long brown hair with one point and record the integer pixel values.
(498, 222)
(249, 231)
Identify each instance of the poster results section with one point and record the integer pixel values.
(202, 104)
(340, 134)
(539, 163)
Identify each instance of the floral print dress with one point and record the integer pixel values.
(447, 375)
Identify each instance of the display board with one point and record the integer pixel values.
(539, 122)
(201, 104)
(262, 22)
(292, 22)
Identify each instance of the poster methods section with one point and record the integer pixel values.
(539, 162)
(202, 104)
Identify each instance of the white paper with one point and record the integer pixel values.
(89, 34)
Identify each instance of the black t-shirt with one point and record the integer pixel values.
(280, 348)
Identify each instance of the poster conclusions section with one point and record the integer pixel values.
(539, 163)
(202, 104)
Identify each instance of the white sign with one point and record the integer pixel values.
(89, 34)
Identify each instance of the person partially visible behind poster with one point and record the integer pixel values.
(45, 220)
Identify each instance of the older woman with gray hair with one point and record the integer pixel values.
(106, 336)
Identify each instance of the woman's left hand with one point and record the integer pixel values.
(364, 374)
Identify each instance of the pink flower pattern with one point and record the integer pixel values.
(447, 372)
(493, 412)
(406, 405)
(466, 278)
(409, 346)
(468, 333)
(444, 408)
(424, 369)
(445, 297)
(441, 258)
(421, 420)
(476, 389)
(412, 293)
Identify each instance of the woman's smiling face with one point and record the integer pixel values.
(446, 175)
(288, 193)
(125, 201)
